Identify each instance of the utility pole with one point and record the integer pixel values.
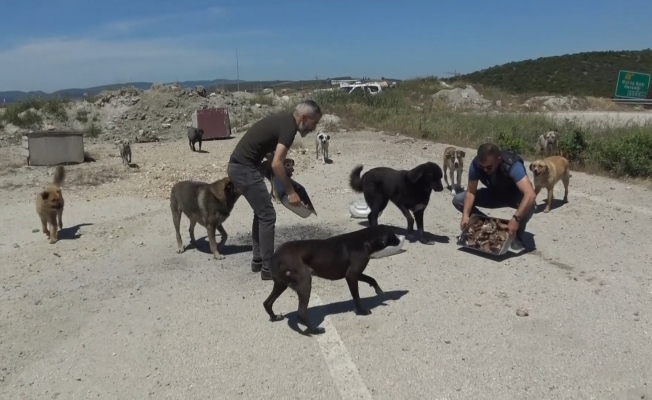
(237, 66)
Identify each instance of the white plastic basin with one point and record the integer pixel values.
(390, 250)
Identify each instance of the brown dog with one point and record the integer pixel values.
(338, 257)
(454, 164)
(49, 205)
(547, 173)
(206, 204)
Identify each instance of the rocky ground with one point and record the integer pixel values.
(112, 311)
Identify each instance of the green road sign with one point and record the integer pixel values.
(632, 85)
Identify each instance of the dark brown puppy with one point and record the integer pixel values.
(408, 190)
(207, 204)
(339, 257)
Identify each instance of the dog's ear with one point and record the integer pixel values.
(462, 153)
(532, 167)
(416, 173)
(328, 137)
(45, 195)
(545, 167)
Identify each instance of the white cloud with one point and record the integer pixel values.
(55, 64)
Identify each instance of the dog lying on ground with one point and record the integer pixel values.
(194, 136)
(266, 171)
(408, 190)
(49, 205)
(322, 141)
(547, 144)
(454, 164)
(547, 173)
(339, 257)
(207, 204)
(125, 150)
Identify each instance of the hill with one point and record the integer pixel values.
(580, 74)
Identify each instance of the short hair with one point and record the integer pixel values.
(308, 108)
(487, 150)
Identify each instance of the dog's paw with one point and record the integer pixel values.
(547, 210)
(219, 256)
(52, 241)
(315, 331)
(277, 318)
(363, 311)
(426, 241)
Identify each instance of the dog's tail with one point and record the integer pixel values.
(59, 175)
(354, 179)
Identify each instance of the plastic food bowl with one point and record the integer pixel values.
(359, 209)
(303, 210)
(390, 250)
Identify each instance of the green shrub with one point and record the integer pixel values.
(629, 155)
(93, 130)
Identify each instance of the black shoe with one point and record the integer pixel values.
(256, 265)
(265, 274)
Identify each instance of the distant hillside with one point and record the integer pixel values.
(588, 74)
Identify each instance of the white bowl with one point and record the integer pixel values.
(390, 250)
(302, 210)
(359, 209)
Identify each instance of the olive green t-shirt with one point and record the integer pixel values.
(263, 136)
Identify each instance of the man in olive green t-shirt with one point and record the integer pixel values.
(272, 134)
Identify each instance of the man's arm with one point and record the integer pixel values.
(523, 183)
(471, 188)
(278, 167)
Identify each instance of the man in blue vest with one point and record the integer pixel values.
(507, 185)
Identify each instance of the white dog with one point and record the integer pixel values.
(454, 164)
(548, 144)
(321, 145)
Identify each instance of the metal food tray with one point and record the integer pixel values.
(503, 250)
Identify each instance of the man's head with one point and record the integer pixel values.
(489, 157)
(307, 114)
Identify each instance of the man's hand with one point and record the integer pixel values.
(512, 227)
(464, 222)
(293, 199)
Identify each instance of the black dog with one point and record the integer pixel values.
(408, 190)
(194, 136)
(338, 257)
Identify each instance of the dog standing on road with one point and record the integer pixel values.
(408, 190)
(125, 151)
(339, 257)
(49, 205)
(206, 204)
(322, 142)
(547, 173)
(548, 144)
(454, 164)
(195, 136)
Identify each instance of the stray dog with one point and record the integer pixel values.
(342, 256)
(408, 190)
(547, 144)
(266, 171)
(321, 145)
(547, 173)
(49, 205)
(207, 204)
(454, 163)
(194, 136)
(125, 150)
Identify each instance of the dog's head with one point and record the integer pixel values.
(200, 132)
(226, 191)
(457, 157)
(322, 137)
(385, 237)
(289, 167)
(52, 198)
(430, 173)
(551, 137)
(538, 168)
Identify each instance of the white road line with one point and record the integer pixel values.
(342, 368)
(596, 199)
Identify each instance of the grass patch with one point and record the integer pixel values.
(621, 151)
(33, 109)
(263, 100)
(82, 116)
(93, 130)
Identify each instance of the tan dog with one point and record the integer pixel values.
(454, 164)
(49, 205)
(547, 173)
(125, 150)
(208, 205)
(548, 144)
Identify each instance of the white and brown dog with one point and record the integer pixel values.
(548, 144)
(454, 164)
(321, 145)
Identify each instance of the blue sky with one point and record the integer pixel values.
(51, 45)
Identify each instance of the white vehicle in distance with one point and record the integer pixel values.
(370, 87)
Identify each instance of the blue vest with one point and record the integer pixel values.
(501, 181)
